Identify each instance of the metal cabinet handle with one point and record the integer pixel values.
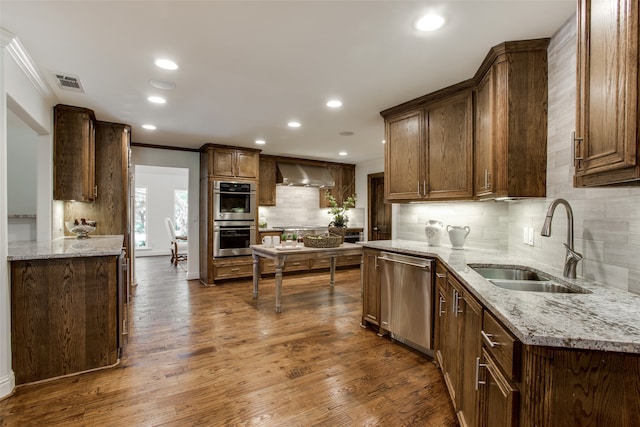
(440, 310)
(486, 178)
(375, 262)
(424, 187)
(487, 338)
(456, 302)
(575, 146)
(478, 366)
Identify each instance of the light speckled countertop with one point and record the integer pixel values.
(66, 247)
(605, 319)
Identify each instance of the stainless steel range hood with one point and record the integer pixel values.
(304, 175)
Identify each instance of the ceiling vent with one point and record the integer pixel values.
(68, 82)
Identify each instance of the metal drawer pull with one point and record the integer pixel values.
(478, 366)
(487, 338)
(441, 276)
(440, 310)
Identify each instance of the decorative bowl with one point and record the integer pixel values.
(81, 228)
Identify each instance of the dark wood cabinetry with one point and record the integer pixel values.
(370, 288)
(344, 176)
(63, 316)
(267, 191)
(431, 152)
(607, 148)
(511, 121)
(428, 151)
(73, 153)
(231, 162)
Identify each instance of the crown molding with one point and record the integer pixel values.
(10, 42)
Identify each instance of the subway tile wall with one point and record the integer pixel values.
(606, 220)
(299, 206)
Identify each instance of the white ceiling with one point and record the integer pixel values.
(248, 67)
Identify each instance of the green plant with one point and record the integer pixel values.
(340, 218)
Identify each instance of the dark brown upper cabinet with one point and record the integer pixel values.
(73, 154)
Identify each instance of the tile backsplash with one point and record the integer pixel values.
(299, 206)
(606, 219)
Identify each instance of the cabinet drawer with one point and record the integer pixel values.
(320, 263)
(269, 268)
(503, 346)
(233, 271)
(349, 260)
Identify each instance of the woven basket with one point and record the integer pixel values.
(322, 241)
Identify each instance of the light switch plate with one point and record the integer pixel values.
(525, 235)
(530, 237)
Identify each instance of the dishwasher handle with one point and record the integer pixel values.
(397, 261)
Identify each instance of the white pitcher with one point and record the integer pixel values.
(434, 231)
(457, 235)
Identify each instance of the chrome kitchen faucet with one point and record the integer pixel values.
(572, 257)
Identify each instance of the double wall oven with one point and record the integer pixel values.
(234, 217)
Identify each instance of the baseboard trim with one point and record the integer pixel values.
(7, 385)
(193, 276)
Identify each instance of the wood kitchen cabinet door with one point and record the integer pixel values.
(404, 156)
(607, 148)
(370, 288)
(267, 189)
(344, 176)
(511, 121)
(229, 162)
(449, 151)
(73, 154)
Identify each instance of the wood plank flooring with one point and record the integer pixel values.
(215, 357)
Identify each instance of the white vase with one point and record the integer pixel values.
(434, 231)
(457, 235)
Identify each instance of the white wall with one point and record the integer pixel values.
(160, 183)
(300, 206)
(179, 159)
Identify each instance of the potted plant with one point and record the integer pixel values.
(338, 225)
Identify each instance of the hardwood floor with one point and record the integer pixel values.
(215, 357)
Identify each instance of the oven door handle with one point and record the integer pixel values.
(235, 228)
(250, 193)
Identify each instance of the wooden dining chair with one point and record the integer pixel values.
(179, 246)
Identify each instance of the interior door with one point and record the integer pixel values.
(379, 227)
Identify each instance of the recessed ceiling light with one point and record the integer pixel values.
(161, 84)
(293, 124)
(260, 141)
(384, 141)
(430, 22)
(149, 127)
(166, 64)
(334, 103)
(343, 153)
(156, 100)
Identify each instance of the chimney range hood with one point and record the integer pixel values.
(304, 175)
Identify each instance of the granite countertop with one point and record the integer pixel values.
(605, 319)
(66, 247)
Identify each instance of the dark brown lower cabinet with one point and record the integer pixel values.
(370, 288)
(64, 316)
(498, 397)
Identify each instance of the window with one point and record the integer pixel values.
(141, 217)
(181, 211)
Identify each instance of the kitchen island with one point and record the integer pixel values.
(280, 254)
(67, 303)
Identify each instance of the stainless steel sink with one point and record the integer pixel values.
(509, 273)
(533, 286)
(524, 279)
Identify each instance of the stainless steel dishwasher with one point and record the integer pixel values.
(406, 299)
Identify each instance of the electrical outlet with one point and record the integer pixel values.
(530, 237)
(525, 235)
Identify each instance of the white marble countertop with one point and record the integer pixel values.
(605, 319)
(66, 247)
